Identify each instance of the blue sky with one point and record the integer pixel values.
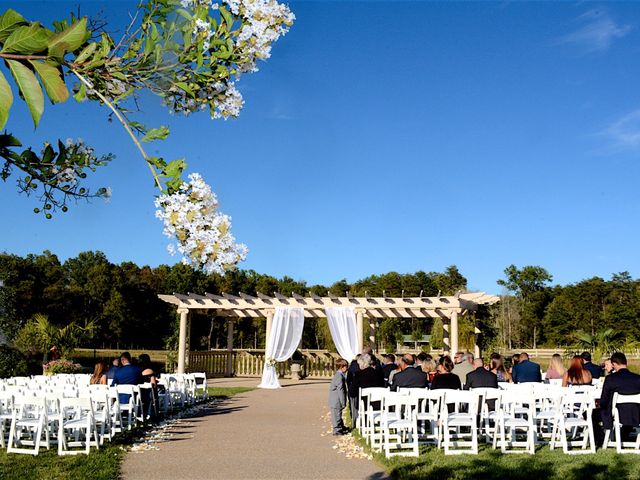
(388, 136)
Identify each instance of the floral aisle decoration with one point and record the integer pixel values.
(61, 366)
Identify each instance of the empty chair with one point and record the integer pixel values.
(6, 412)
(573, 427)
(130, 404)
(77, 419)
(428, 415)
(516, 419)
(489, 410)
(201, 386)
(102, 414)
(28, 425)
(371, 405)
(399, 425)
(460, 422)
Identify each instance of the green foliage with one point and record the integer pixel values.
(39, 335)
(12, 362)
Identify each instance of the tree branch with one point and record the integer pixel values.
(126, 126)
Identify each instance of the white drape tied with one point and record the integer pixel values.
(342, 323)
(284, 338)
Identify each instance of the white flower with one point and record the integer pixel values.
(202, 233)
(228, 103)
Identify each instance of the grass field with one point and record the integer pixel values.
(103, 464)
(490, 464)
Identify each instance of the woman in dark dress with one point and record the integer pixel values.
(444, 378)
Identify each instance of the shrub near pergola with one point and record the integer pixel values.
(447, 308)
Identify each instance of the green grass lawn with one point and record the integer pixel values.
(490, 464)
(102, 464)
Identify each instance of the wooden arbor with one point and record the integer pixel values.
(448, 308)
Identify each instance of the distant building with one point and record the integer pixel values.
(408, 341)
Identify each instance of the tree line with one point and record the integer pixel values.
(120, 303)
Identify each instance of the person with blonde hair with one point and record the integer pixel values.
(556, 368)
(99, 376)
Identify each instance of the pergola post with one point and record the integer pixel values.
(229, 370)
(182, 340)
(372, 333)
(270, 313)
(454, 332)
(446, 341)
(476, 338)
(360, 328)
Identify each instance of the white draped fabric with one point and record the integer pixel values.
(342, 323)
(284, 338)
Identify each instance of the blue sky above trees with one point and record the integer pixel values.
(388, 136)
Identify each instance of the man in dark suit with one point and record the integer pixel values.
(623, 382)
(127, 374)
(526, 370)
(408, 377)
(595, 370)
(388, 367)
(480, 377)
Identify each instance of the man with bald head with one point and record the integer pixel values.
(480, 377)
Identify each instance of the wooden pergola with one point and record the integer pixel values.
(447, 308)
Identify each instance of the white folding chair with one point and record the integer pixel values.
(102, 414)
(28, 424)
(621, 445)
(399, 425)
(489, 416)
(546, 413)
(131, 409)
(460, 412)
(573, 426)
(369, 417)
(428, 415)
(6, 412)
(516, 417)
(201, 386)
(78, 419)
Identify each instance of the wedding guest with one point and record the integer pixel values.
(444, 378)
(338, 397)
(556, 368)
(526, 370)
(99, 376)
(497, 366)
(576, 374)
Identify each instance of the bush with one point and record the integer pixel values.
(12, 362)
(61, 366)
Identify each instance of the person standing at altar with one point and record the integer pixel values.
(338, 397)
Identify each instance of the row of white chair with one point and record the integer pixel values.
(515, 419)
(39, 411)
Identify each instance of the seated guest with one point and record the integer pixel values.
(515, 360)
(127, 374)
(594, 370)
(147, 375)
(422, 357)
(408, 376)
(444, 378)
(430, 367)
(480, 377)
(99, 376)
(464, 365)
(556, 368)
(607, 366)
(367, 376)
(388, 367)
(497, 366)
(625, 383)
(576, 374)
(115, 364)
(526, 370)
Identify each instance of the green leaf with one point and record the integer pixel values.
(86, 52)
(52, 81)
(27, 40)
(7, 140)
(156, 134)
(185, 87)
(81, 94)
(226, 16)
(6, 100)
(175, 168)
(71, 38)
(29, 87)
(138, 126)
(9, 21)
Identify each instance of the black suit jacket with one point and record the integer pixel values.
(409, 378)
(625, 383)
(595, 370)
(369, 377)
(481, 378)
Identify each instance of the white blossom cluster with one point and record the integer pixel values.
(202, 233)
(203, 28)
(264, 22)
(194, 3)
(228, 103)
